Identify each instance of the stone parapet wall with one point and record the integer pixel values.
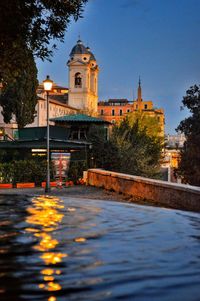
(172, 195)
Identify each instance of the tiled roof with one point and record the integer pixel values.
(55, 86)
(78, 118)
(63, 98)
(41, 143)
(118, 100)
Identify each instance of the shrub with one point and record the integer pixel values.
(76, 169)
(24, 171)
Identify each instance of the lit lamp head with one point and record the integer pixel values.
(48, 83)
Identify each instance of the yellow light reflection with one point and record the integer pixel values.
(52, 258)
(44, 218)
(46, 243)
(80, 239)
(47, 272)
(52, 298)
(52, 286)
(71, 209)
(48, 278)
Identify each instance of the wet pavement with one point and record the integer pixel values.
(88, 249)
(81, 191)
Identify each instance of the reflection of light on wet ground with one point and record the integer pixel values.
(46, 243)
(52, 298)
(52, 258)
(93, 251)
(80, 239)
(44, 218)
(70, 209)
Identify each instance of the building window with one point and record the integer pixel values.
(101, 112)
(128, 111)
(145, 106)
(120, 112)
(136, 107)
(78, 80)
(113, 112)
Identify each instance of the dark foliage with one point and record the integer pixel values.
(33, 170)
(76, 169)
(104, 153)
(18, 98)
(27, 29)
(129, 150)
(139, 154)
(33, 23)
(189, 167)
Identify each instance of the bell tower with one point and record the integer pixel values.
(83, 79)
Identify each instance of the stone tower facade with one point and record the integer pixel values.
(83, 79)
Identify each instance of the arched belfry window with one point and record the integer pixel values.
(78, 80)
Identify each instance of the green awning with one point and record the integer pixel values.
(54, 144)
(79, 118)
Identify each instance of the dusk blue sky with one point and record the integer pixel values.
(158, 40)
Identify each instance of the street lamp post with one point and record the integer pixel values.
(47, 87)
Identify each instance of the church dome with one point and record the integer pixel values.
(92, 57)
(79, 48)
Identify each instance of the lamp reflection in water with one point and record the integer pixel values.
(44, 217)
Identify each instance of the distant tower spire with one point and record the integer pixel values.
(139, 90)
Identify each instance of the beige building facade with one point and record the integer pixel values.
(114, 110)
(56, 109)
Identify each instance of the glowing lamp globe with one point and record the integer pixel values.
(48, 83)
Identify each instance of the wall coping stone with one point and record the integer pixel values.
(159, 183)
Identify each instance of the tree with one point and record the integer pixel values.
(139, 154)
(27, 29)
(189, 167)
(104, 152)
(33, 23)
(145, 122)
(19, 98)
